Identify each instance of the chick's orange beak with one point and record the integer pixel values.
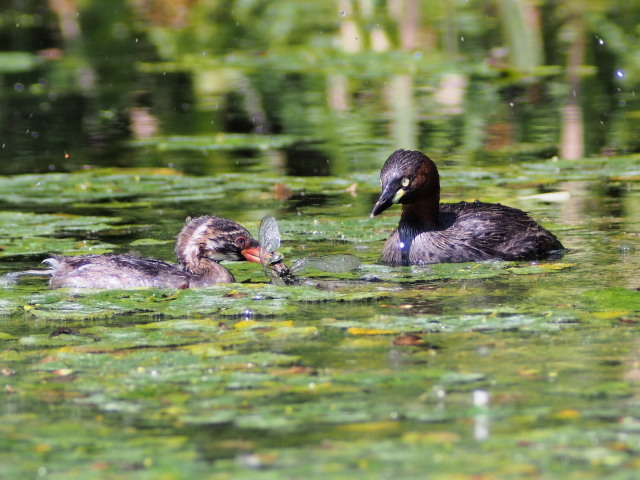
(252, 254)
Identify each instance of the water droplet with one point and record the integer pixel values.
(439, 392)
(480, 398)
(601, 41)
(626, 248)
(619, 73)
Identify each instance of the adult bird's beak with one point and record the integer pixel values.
(252, 254)
(388, 197)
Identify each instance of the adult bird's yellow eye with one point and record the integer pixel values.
(405, 182)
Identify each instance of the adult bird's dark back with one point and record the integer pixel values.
(434, 232)
(202, 243)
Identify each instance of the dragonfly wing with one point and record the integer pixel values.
(298, 266)
(269, 238)
(327, 263)
(269, 234)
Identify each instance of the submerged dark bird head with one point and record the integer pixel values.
(407, 177)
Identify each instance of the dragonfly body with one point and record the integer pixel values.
(280, 273)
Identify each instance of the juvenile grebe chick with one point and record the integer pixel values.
(202, 243)
(431, 232)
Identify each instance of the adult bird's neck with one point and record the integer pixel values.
(424, 212)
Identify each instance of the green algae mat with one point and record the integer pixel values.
(497, 370)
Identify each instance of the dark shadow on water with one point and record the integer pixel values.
(307, 162)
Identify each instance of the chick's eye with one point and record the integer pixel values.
(241, 241)
(405, 182)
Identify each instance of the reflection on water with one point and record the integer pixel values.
(306, 162)
(84, 105)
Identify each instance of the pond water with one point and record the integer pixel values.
(506, 369)
(479, 370)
